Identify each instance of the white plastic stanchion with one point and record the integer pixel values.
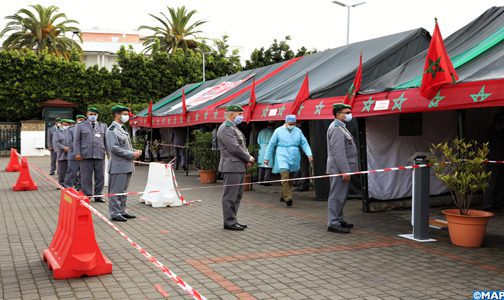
(161, 178)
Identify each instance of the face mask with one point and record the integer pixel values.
(238, 119)
(65, 127)
(93, 118)
(348, 117)
(290, 127)
(124, 118)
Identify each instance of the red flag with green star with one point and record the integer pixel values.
(149, 114)
(184, 107)
(252, 102)
(438, 68)
(354, 88)
(303, 94)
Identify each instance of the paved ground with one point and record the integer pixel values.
(285, 254)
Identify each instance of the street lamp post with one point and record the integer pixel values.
(348, 16)
(203, 54)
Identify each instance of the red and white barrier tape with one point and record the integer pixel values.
(181, 283)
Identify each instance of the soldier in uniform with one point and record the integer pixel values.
(62, 147)
(89, 148)
(72, 177)
(234, 158)
(50, 133)
(341, 158)
(120, 166)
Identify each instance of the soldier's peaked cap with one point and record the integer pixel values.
(235, 108)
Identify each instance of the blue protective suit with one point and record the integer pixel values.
(285, 144)
(262, 140)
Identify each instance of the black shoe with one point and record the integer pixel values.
(234, 227)
(289, 202)
(242, 225)
(338, 229)
(99, 200)
(128, 216)
(119, 219)
(52, 173)
(346, 225)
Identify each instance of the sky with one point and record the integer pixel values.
(318, 24)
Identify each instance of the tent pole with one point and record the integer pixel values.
(461, 123)
(361, 128)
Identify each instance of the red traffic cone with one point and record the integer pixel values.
(13, 165)
(24, 182)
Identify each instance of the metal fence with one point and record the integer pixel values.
(9, 137)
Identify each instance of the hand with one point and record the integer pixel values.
(249, 165)
(50, 148)
(65, 149)
(346, 178)
(252, 159)
(137, 154)
(266, 162)
(310, 158)
(78, 157)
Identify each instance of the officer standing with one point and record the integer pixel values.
(50, 133)
(234, 157)
(284, 149)
(62, 147)
(341, 158)
(89, 147)
(72, 177)
(120, 166)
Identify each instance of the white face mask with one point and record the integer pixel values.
(65, 127)
(93, 118)
(124, 118)
(291, 127)
(348, 117)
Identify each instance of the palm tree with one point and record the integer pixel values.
(175, 31)
(44, 29)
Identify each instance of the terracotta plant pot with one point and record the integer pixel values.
(469, 230)
(247, 179)
(207, 176)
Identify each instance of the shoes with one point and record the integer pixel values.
(289, 202)
(346, 225)
(128, 216)
(52, 173)
(99, 200)
(119, 219)
(338, 229)
(242, 225)
(234, 227)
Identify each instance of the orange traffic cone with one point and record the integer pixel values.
(24, 182)
(13, 165)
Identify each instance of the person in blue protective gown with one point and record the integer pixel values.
(262, 140)
(284, 147)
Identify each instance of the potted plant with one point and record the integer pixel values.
(206, 159)
(460, 165)
(252, 170)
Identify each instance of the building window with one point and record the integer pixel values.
(410, 124)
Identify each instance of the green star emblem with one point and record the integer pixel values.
(434, 67)
(215, 114)
(188, 118)
(398, 102)
(481, 96)
(318, 108)
(281, 110)
(351, 90)
(197, 116)
(265, 111)
(205, 115)
(163, 121)
(301, 107)
(435, 101)
(169, 120)
(181, 120)
(174, 120)
(367, 104)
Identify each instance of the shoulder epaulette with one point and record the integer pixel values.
(229, 123)
(111, 127)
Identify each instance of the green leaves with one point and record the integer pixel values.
(204, 157)
(460, 166)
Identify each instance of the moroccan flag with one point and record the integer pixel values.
(438, 68)
(354, 88)
(149, 114)
(184, 107)
(303, 94)
(252, 102)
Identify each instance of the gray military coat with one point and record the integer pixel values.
(50, 135)
(59, 143)
(341, 149)
(233, 150)
(69, 135)
(120, 150)
(88, 142)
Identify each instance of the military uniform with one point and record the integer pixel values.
(72, 177)
(60, 142)
(120, 167)
(89, 142)
(233, 159)
(341, 158)
(50, 134)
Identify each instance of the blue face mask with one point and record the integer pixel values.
(93, 118)
(348, 117)
(238, 119)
